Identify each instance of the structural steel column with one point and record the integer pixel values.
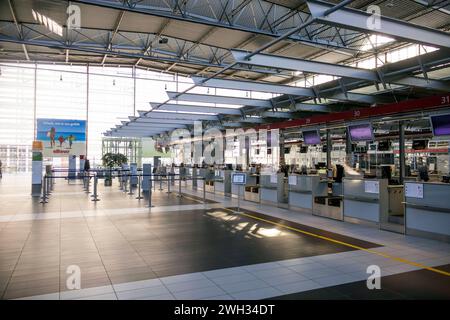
(329, 166)
(401, 145)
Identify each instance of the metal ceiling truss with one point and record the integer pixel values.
(255, 16)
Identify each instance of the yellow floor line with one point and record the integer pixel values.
(345, 244)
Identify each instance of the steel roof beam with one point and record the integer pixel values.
(277, 114)
(423, 83)
(157, 124)
(195, 108)
(206, 98)
(338, 70)
(175, 116)
(312, 107)
(160, 121)
(357, 20)
(254, 86)
(273, 61)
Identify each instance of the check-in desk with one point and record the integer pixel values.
(365, 200)
(300, 193)
(328, 204)
(208, 175)
(201, 174)
(273, 189)
(222, 182)
(193, 175)
(251, 188)
(427, 210)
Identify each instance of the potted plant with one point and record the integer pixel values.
(112, 160)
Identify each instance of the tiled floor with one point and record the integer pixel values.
(182, 248)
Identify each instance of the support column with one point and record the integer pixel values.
(329, 165)
(348, 149)
(401, 145)
(87, 109)
(35, 103)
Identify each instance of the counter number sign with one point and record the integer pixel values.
(239, 178)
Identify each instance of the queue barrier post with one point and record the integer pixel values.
(95, 195)
(44, 187)
(204, 192)
(150, 205)
(139, 197)
(131, 186)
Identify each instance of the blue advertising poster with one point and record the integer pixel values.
(62, 137)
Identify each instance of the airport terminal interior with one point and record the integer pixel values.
(225, 150)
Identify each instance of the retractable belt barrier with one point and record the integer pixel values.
(124, 181)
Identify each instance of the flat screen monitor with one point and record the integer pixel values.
(441, 125)
(361, 132)
(419, 144)
(384, 145)
(238, 178)
(311, 137)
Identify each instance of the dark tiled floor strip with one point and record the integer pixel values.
(320, 232)
(420, 284)
(131, 247)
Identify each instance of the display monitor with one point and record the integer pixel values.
(441, 125)
(384, 145)
(238, 178)
(311, 137)
(361, 132)
(419, 144)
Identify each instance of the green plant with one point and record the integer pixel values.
(111, 160)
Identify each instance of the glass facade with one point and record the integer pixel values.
(103, 96)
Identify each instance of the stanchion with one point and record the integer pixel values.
(131, 186)
(150, 205)
(88, 182)
(48, 187)
(238, 198)
(95, 195)
(139, 197)
(125, 189)
(44, 187)
(168, 186)
(179, 187)
(204, 192)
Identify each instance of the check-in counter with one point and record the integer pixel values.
(208, 175)
(193, 175)
(201, 174)
(251, 188)
(326, 204)
(365, 200)
(273, 189)
(222, 182)
(427, 210)
(300, 193)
